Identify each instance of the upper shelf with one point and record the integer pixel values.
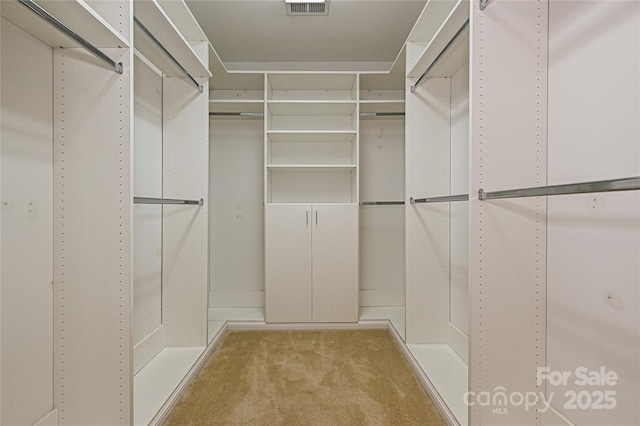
(344, 136)
(236, 105)
(312, 108)
(172, 37)
(311, 81)
(432, 16)
(458, 52)
(382, 106)
(75, 14)
(309, 86)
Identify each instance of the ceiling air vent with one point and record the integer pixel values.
(306, 8)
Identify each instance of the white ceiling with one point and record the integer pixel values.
(357, 35)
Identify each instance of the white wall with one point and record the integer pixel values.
(382, 259)
(594, 239)
(185, 231)
(237, 213)
(147, 219)
(27, 227)
(459, 228)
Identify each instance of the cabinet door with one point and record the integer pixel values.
(335, 263)
(288, 263)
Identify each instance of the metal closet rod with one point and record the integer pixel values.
(484, 4)
(148, 200)
(382, 114)
(53, 21)
(237, 114)
(166, 52)
(623, 184)
(382, 203)
(445, 199)
(260, 114)
(441, 54)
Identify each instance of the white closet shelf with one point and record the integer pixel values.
(311, 136)
(432, 16)
(76, 14)
(249, 95)
(311, 167)
(182, 17)
(382, 105)
(236, 105)
(448, 374)
(458, 53)
(391, 95)
(312, 108)
(315, 203)
(156, 20)
(312, 81)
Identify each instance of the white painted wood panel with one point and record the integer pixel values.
(147, 219)
(26, 128)
(459, 249)
(507, 237)
(311, 186)
(382, 259)
(237, 213)
(427, 165)
(335, 263)
(288, 263)
(593, 279)
(382, 159)
(77, 15)
(185, 233)
(382, 256)
(92, 239)
(1, 20)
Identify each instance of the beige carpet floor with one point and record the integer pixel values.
(325, 377)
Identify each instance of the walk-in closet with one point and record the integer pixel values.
(462, 173)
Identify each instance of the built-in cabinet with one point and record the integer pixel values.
(311, 157)
(311, 125)
(311, 263)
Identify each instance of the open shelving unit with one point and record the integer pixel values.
(311, 138)
(382, 211)
(172, 140)
(237, 94)
(381, 93)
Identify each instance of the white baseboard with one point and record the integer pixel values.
(439, 402)
(162, 414)
(149, 347)
(236, 299)
(381, 297)
(457, 340)
(50, 419)
(248, 325)
(256, 298)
